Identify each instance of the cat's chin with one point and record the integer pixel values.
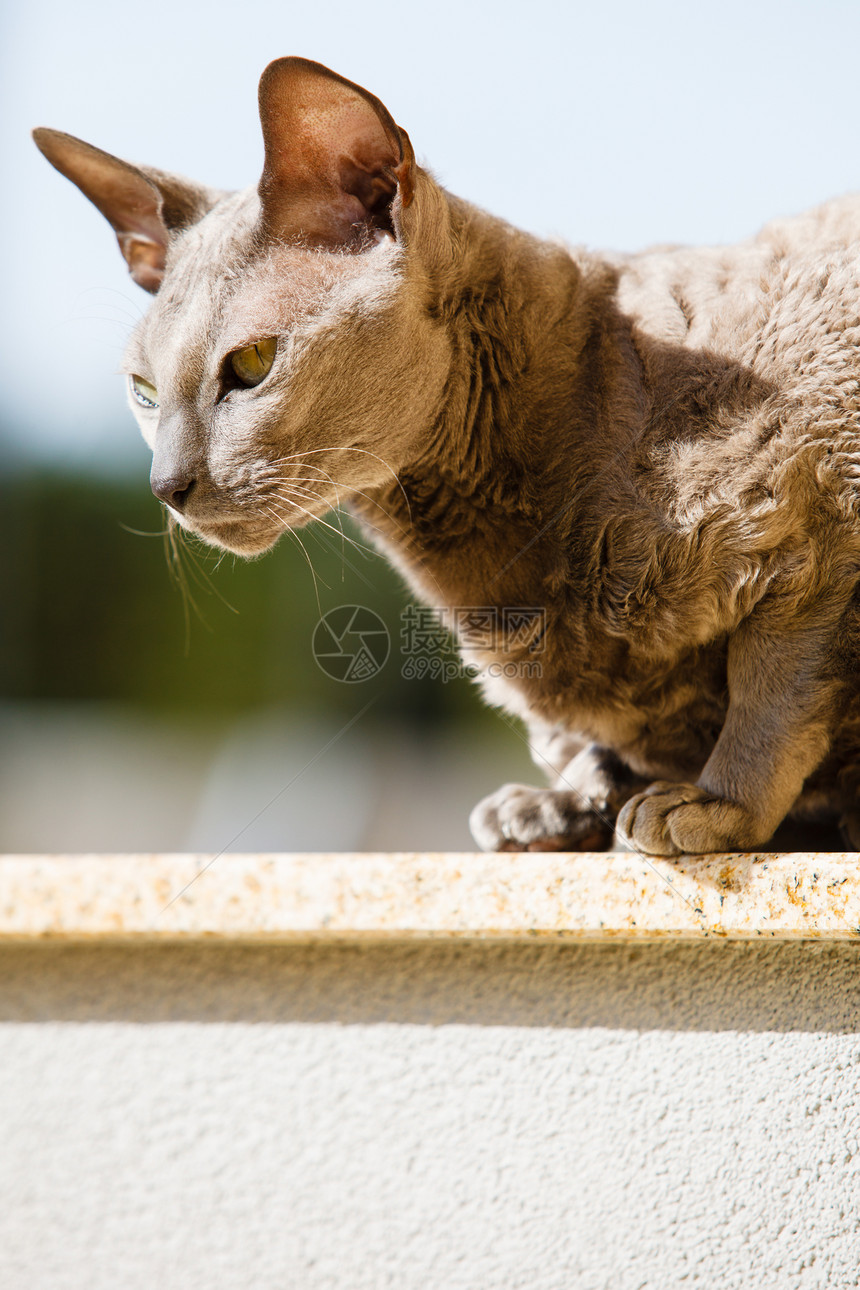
(237, 538)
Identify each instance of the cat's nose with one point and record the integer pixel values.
(172, 489)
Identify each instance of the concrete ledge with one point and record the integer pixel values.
(509, 896)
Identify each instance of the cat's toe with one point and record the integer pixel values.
(520, 818)
(500, 820)
(681, 819)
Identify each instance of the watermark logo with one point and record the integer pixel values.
(351, 643)
(512, 634)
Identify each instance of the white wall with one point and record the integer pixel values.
(422, 1116)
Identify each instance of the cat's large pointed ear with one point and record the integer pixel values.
(143, 206)
(336, 163)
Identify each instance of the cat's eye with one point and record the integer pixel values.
(145, 393)
(254, 363)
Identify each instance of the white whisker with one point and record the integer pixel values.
(325, 524)
(356, 492)
(282, 461)
(282, 523)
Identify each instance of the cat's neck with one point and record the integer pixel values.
(483, 512)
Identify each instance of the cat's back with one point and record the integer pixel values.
(785, 303)
(833, 225)
(751, 359)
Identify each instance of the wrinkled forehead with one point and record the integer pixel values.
(225, 289)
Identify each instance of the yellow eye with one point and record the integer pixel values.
(253, 364)
(146, 394)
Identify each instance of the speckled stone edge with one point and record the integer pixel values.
(509, 896)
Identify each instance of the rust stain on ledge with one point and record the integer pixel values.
(595, 897)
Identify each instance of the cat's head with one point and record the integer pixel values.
(289, 358)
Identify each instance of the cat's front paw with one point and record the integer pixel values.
(520, 818)
(681, 819)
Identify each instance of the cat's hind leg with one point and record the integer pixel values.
(577, 814)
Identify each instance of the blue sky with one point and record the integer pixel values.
(615, 125)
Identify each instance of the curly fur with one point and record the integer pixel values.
(661, 450)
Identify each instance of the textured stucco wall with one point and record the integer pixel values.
(430, 1115)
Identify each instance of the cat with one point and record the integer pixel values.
(660, 452)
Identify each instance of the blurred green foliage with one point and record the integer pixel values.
(91, 611)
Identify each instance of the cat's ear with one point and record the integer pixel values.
(336, 163)
(142, 205)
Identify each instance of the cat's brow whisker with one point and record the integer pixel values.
(93, 311)
(133, 308)
(121, 326)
